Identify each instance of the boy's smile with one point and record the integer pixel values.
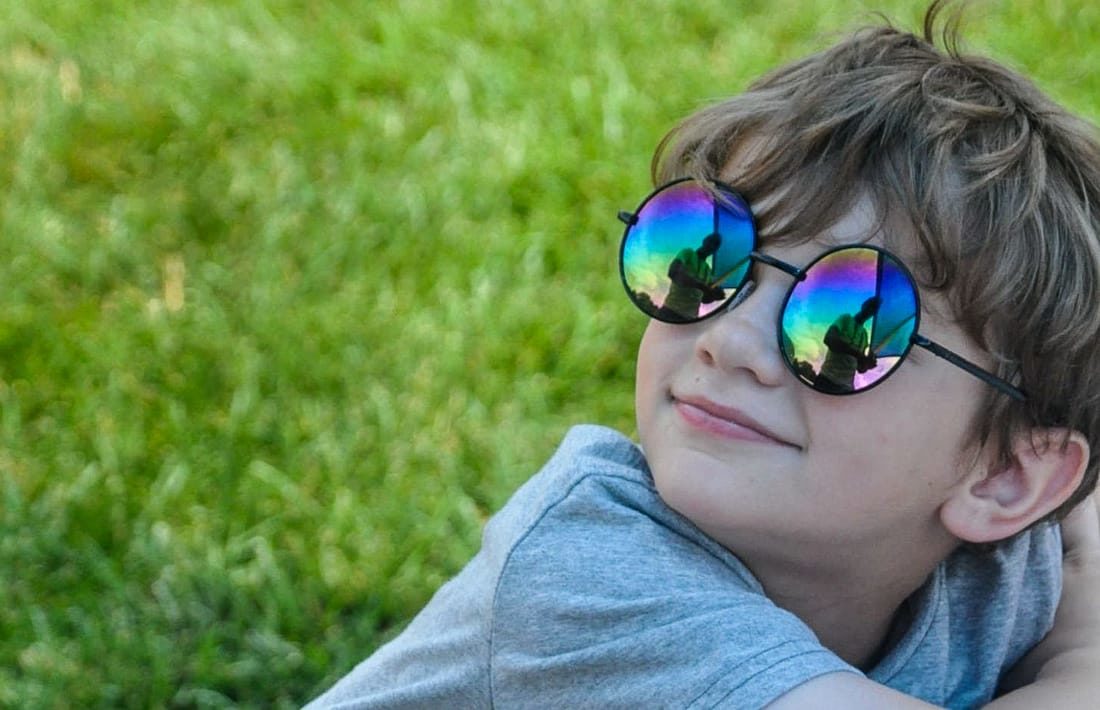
(699, 412)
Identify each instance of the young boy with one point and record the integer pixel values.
(785, 543)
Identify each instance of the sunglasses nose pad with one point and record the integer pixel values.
(742, 294)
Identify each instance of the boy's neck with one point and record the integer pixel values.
(858, 630)
(856, 606)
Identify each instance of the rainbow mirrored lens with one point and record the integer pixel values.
(685, 255)
(850, 321)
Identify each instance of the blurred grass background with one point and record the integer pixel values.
(294, 294)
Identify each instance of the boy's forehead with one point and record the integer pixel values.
(862, 223)
(805, 215)
(776, 210)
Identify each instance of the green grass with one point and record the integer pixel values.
(294, 294)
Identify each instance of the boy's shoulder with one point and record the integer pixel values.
(596, 494)
(605, 595)
(586, 451)
(593, 464)
(594, 503)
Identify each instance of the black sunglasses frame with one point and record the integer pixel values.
(799, 274)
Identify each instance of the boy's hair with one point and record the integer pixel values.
(1000, 186)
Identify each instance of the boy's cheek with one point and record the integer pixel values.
(656, 362)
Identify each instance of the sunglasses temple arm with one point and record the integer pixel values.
(961, 362)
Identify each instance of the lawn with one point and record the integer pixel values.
(295, 294)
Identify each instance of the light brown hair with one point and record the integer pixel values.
(999, 184)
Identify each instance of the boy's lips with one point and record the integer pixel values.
(727, 422)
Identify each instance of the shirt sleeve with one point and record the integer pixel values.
(611, 600)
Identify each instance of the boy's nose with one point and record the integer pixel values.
(744, 337)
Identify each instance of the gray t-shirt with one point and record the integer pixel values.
(589, 591)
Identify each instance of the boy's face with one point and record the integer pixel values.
(762, 462)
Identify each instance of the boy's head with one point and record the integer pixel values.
(990, 193)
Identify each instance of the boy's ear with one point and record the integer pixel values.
(996, 502)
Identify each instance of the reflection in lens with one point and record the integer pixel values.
(849, 322)
(685, 255)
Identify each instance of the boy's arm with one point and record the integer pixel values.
(848, 691)
(1063, 671)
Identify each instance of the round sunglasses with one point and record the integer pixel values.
(849, 319)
